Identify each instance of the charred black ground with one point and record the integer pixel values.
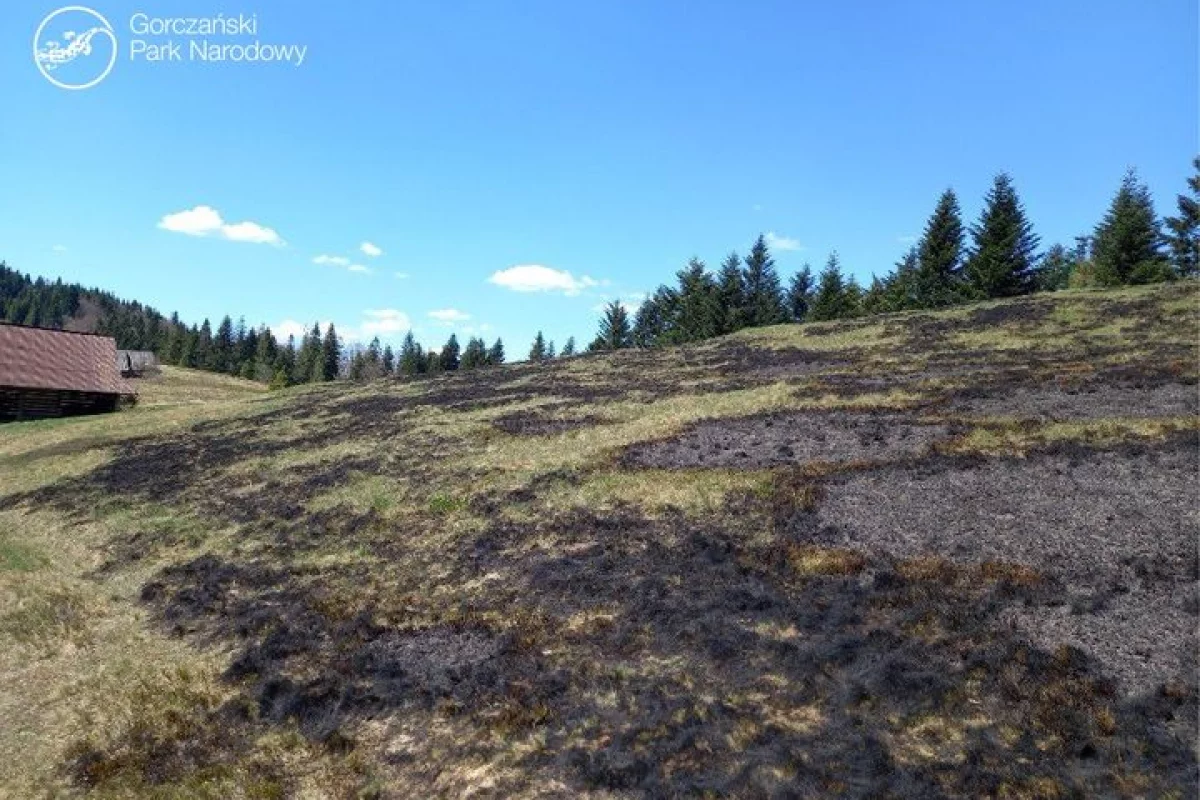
(934, 555)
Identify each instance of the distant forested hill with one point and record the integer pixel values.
(70, 306)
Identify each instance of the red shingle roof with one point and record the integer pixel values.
(37, 358)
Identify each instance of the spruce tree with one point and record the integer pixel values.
(764, 297)
(448, 360)
(1127, 243)
(833, 298)
(900, 287)
(731, 294)
(938, 280)
(202, 351)
(187, 349)
(568, 348)
(286, 361)
(372, 359)
(174, 344)
(537, 351)
(331, 354)
(697, 309)
(474, 355)
(265, 354)
(245, 341)
(1184, 230)
(389, 360)
(799, 293)
(1054, 270)
(309, 355)
(433, 362)
(1004, 252)
(615, 331)
(496, 353)
(411, 358)
(874, 299)
(655, 318)
(221, 354)
(550, 351)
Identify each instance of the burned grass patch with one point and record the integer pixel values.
(825, 659)
(313, 652)
(546, 421)
(759, 365)
(1084, 517)
(674, 656)
(1094, 399)
(789, 438)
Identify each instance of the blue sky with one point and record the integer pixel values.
(604, 141)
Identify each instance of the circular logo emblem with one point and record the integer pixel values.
(74, 48)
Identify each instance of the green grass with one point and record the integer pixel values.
(87, 670)
(20, 557)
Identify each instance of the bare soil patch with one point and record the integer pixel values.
(1092, 400)
(1117, 527)
(546, 421)
(790, 438)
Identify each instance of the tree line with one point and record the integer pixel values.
(996, 256)
(951, 263)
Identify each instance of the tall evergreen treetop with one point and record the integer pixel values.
(1004, 254)
(655, 318)
(221, 354)
(569, 347)
(731, 294)
(496, 353)
(412, 360)
(474, 355)
(615, 331)
(833, 299)
(1127, 247)
(448, 359)
(1184, 230)
(939, 255)
(799, 294)
(698, 310)
(537, 351)
(764, 297)
(331, 354)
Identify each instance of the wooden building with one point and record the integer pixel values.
(137, 363)
(49, 373)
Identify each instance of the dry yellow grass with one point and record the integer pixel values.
(84, 666)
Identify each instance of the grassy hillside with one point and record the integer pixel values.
(945, 554)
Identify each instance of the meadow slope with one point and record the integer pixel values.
(941, 554)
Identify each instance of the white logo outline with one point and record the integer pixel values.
(79, 45)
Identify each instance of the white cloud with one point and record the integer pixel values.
(631, 303)
(341, 261)
(206, 221)
(449, 316)
(537, 278)
(384, 321)
(778, 242)
(250, 232)
(59, 248)
(372, 250)
(289, 327)
(401, 275)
